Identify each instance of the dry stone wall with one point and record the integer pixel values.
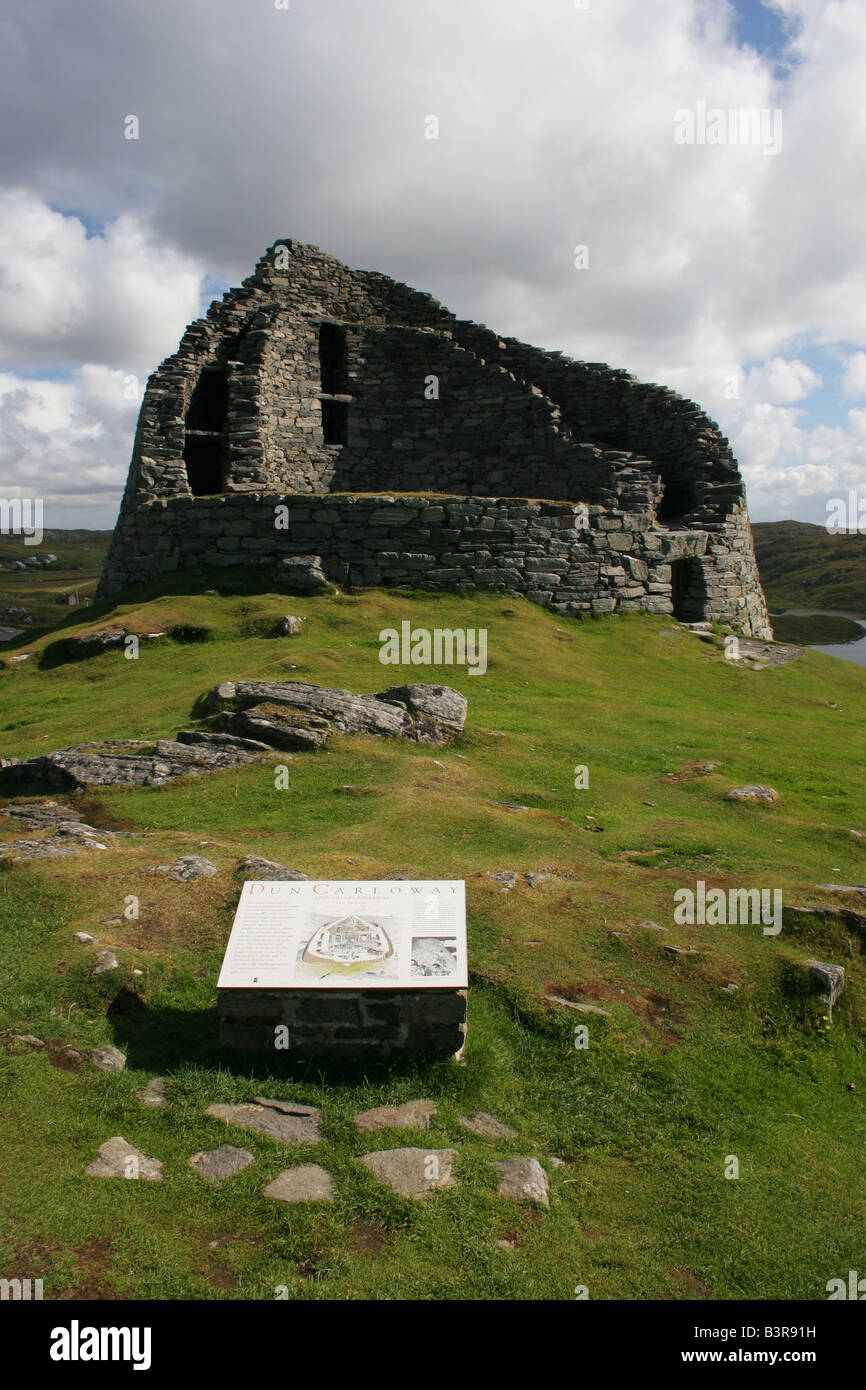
(312, 385)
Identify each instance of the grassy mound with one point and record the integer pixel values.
(681, 1076)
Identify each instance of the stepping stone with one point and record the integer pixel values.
(487, 1125)
(85, 938)
(506, 877)
(108, 1058)
(412, 1172)
(524, 1179)
(415, 1114)
(306, 1183)
(649, 925)
(114, 1161)
(153, 1092)
(107, 961)
(28, 1039)
(534, 879)
(678, 951)
(215, 1165)
(285, 1120)
(764, 795)
(619, 935)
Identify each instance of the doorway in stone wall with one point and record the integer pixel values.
(688, 590)
(205, 450)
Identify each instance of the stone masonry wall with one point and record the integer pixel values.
(342, 1022)
(236, 419)
(619, 562)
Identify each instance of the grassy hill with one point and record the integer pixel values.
(680, 1076)
(804, 566)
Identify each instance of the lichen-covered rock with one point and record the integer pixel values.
(756, 793)
(108, 1058)
(524, 1180)
(107, 765)
(266, 871)
(438, 704)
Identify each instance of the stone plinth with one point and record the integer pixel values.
(341, 1022)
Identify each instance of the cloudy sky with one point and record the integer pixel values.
(730, 268)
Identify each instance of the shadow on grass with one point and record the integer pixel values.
(162, 1040)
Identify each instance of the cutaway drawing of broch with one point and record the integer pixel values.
(349, 940)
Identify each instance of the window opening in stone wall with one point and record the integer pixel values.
(688, 590)
(333, 359)
(205, 451)
(676, 500)
(335, 421)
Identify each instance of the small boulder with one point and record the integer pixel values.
(290, 626)
(108, 1058)
(524, 1180)
(755, 793)
(107, 960)
(266, 871)
(831, 979)
(303, 573)
(191, 867)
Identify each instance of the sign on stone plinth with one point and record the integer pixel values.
(346, 968)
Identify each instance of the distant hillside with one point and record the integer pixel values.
(804, 566)
(80, 556)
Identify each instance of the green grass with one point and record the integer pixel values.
(679, 1077)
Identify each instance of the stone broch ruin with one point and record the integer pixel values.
(415, 448)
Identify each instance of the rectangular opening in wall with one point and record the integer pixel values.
(335, 422)
(333, 359)
(208, 405)
(688, 590)
(676, 500)
(206, 464)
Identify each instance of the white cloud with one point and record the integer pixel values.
(781, 382)
(854, 381)
(65, 296)
(557, 128)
